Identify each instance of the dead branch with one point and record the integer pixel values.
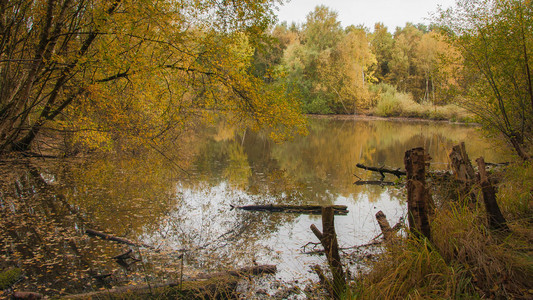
(382, 170)
(110, 237)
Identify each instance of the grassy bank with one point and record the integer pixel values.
(388, 102)
(465, 259)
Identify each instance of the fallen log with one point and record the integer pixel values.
(300, 209)
(117, 239)
(382, 170)
(374, 182)
(210, 286)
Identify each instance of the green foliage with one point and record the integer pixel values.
(495, 39)
(9, 277)
(318, 105)
(391, 103)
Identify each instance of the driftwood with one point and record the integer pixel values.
(328, 239)
(418, 196)
(382, 171)
(213, 286)
(495, 216)
(388, 232)
(117, 239)
(300, 209)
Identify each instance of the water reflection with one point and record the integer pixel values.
(146, 199)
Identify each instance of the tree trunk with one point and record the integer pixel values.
(495, 216)
(388, 232)
(328, 239)
(418, 196)
(463, 170)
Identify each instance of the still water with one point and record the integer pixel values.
(180, 202)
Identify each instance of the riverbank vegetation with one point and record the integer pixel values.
(465, 258)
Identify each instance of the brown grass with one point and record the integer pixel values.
(464, 260)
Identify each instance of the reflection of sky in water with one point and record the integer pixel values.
(204, 222)
(237, 167)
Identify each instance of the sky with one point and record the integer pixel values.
(392, 13)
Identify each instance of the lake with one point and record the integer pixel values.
(178, 200)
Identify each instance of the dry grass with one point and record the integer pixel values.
(464, 260)
(391, 103)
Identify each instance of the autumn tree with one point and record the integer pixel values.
(329, 65)
(112, 68)
(347, 72)
(381, 43)
(403, 69)
(495, 38)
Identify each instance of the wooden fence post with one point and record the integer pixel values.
(418, 197)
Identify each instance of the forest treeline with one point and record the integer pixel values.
(118, 74)
(344, 70)
(474, 58)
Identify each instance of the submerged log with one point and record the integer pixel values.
(26, 295)
(210, 286)
(117, 239)
(382, 170)
(495, 216)
(374, 182)
(300, 209)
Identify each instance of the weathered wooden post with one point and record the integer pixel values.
(328, 239)
(388, 232)
(495, 216)
(418, 197)
(463, 170)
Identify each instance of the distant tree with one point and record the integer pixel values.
(495, 38)
(404, 72)
(381, 44)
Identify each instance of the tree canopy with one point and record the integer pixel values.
(495, 38)
(108, 70)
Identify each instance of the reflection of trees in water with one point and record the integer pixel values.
(143, 198)
(326, 158)
(46, 207)
(38, 233)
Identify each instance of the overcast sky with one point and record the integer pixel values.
(392, 13)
